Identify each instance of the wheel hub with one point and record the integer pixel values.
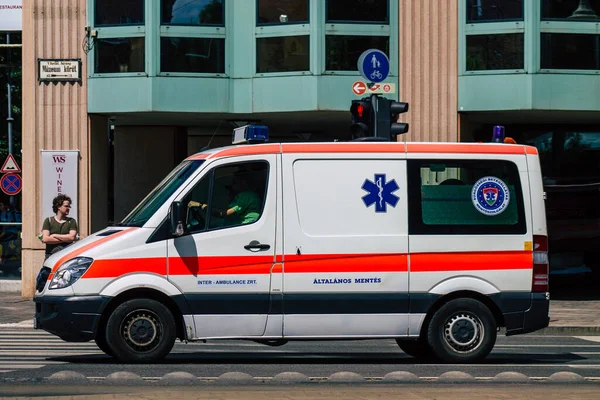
(141, 330)
(463, 332)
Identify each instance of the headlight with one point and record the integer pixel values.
(69, 272)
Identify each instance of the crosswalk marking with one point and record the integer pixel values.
(26, 348)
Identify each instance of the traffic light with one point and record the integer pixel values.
(387, 117)
(375, 118)
(362, 118)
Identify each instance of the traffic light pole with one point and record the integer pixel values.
(375, 113)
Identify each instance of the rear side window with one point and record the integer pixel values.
(465, 197)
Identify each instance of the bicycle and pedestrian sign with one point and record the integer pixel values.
(374, 65)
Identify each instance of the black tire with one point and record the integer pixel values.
(141, 330)
(415, 348)
(103, 344)
(462, 331)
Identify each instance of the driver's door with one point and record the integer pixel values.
(221, 265)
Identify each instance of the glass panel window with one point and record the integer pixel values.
(192, 55)
(465, 197)
(282, 54)
(282, 11)
(119, 55)
(228, 196)
(118, 12)
(494, 10)
(568, 157)
(193, 12)
(572, 10)
(342, 52)
(371, 11)
(570, 51)
(495, 52)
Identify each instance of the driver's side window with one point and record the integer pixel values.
(230, 195)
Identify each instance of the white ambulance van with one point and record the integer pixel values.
(434, 245)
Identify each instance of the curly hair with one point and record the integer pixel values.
(58, 201)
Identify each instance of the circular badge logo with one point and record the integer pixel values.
(490, 195)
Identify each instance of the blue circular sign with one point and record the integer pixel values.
(490, 195)
(374, 65)
(11, 184)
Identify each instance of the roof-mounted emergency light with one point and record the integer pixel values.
(498, 136)
(250, 134)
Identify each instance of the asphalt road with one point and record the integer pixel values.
(27, 354)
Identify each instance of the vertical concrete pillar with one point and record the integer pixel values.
(54, 116)
(428, 73)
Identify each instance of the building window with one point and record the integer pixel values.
(282, 11)
(571, 10)
(119, 55)
(495, 52)
(119, 12)
(570, 51)
(343, 51)
(200, 55)
(371, 11)
(494, 10)
(194, 12)
(282, 54)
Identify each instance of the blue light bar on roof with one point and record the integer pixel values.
(250, 134)
(498, 136)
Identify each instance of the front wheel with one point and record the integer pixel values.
(462, 331)
(103, 344)
(140, 330)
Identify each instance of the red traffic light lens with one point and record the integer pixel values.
(360, 110)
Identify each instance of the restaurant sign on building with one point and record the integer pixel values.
(11, 15)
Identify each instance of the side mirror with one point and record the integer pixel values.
(176, 218)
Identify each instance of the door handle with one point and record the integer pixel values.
(255, 246)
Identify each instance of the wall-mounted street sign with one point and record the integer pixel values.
(59, 70)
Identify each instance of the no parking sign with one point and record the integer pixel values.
(11, 184)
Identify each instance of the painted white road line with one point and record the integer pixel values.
(559, 346)
(589, 338)
(23, 366)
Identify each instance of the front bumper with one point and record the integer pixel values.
(72, 318)
(536, 317)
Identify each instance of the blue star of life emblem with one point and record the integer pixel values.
(380, 193)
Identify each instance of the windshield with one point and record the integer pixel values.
(165, 189)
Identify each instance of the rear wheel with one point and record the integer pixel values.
(462, 331)
(141, 330)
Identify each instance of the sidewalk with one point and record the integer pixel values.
(576, 317)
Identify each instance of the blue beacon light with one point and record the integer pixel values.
(498, 136)
(250, 134)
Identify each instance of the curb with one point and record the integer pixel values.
(10, 286)
(569, 330)
(125, 378)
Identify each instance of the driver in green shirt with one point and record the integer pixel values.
(243, 209)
